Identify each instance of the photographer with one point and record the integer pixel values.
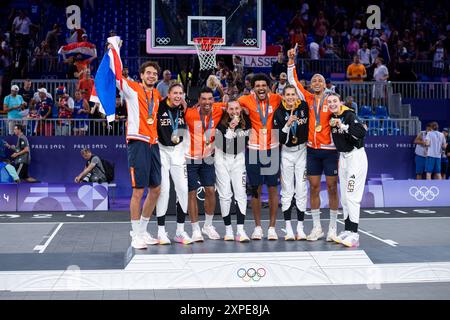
(93, 171)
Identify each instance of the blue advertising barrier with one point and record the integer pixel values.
(58, 159)
(53, 197)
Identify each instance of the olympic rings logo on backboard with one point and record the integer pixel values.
(424, 193)
(251, 274)
(250, 42)
(163, 41)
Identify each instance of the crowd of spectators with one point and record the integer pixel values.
(321, 30)
(410, 31)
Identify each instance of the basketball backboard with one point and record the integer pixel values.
(175, 24)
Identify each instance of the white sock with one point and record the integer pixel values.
(288, 225)
(180, 228)
(195, 226)
(300, 225)
(135, 226)
(271, 228)
(333, 219)
(240, 228)
(161, 229)
(208, 220)
(144, 223)
(228, 229)
(316, 218)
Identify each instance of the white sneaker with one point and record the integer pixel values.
(163, 238)
(331, 235)
(183, 238)
(342, 236)
(272, 234)
(300, 235)
(352, 240)
(138, 243)
(289, 234)
(211, 232)
(257, 234)
(197, 236)
(242, 236)
(146, 237)
(229, 235)
(316, 234)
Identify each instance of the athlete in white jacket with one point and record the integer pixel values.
(348, 136)
(171, 126)
(291, 118)
(230, 169)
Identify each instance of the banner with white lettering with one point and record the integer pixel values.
(264, 61)
(8, 197)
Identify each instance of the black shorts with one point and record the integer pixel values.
(263, 167)
(144, 163)
(320, 161)
(22, 170)
(200, 174)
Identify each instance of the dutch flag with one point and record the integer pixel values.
(109, 71)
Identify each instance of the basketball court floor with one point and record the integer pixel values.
(403, 254)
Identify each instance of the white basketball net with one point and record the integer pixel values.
(206, 50)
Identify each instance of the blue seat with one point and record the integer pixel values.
(381, 112)
(365, 112)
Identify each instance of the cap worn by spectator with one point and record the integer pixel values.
(60, 90)
(42, 90)
(445, 129)
(283, 75)
(328, 81)
(84, 35)
(14, 88)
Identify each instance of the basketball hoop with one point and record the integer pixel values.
(206, 50)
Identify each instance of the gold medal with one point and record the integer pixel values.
(318, 128)
(332, 122)
(294, 140)
(264, 131)
(175, 139)
(150, 120)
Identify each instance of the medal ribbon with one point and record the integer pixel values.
(206, 128)
(262, 117)
(294, 124)
(149, 104)
(317, 112)
(173, 123)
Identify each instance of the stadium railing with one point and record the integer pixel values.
(363, 92)
(64, 127)
(327, 66)
(50, 84)
(45, 65)
(393, 127)
(99, 127)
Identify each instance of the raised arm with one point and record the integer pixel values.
(292, 75)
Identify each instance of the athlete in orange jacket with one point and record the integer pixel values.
(322, 156)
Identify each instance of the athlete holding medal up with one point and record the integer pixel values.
(292, 120)
(322, 156)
